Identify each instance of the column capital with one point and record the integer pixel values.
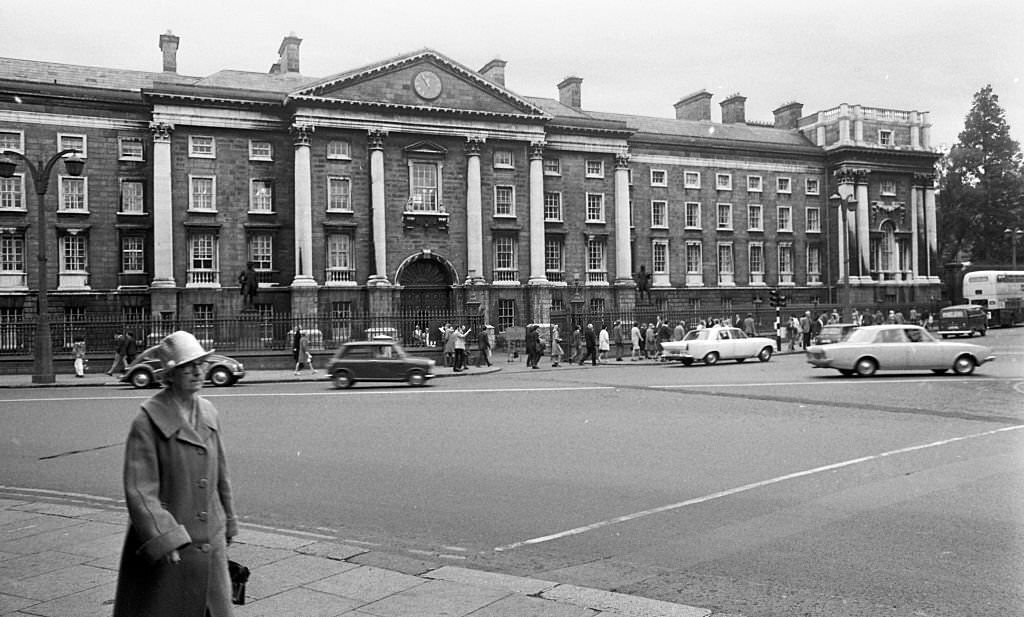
(473, 145)
(924, 179)
(161, 131)
(851, 175)
(301, 133)
(537, 150)
(622, 160)
(376, 138)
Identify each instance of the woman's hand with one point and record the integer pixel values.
(173, 557)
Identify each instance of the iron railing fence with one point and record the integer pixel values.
(251, 332)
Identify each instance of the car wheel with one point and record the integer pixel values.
(964, 365)
(342, 380)
(846, 372)
(687, 361)
(141, 379)
(866, 367)
(416, 377)
(945, 336)
(971, 333)
(982, 332)
(220, 376)
(711, 358)
(940, 371)
(740, 360)
(765, 354)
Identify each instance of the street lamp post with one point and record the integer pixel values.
(845, 203)
(40, 173)
(1013, 234)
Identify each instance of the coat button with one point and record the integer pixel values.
(203, 483)
(201, 516)
(204, 548)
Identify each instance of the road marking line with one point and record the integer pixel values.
(746, 487)
(821, 383)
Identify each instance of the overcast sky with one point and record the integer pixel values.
(635, 56)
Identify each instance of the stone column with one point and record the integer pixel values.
(931, 232)
(537, 274)
(163, 226)
(862, 232)
(303, 287)
(377, 205)
(163, 293)
(474, 212)
(916, 194)
(301, 134)
(623, 252)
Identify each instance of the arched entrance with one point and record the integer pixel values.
(426, 281)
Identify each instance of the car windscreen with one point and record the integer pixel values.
(861, 335)
(697, 335)
(955, 314)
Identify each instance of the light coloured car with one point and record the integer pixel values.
(709, 345)
(897, 347)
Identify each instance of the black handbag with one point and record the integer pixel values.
(239, 577)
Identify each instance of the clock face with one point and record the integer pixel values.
(427, 84)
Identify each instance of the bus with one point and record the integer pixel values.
(1000, 292)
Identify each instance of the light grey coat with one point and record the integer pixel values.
(179, 497)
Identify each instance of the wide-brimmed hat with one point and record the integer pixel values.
(180, 348)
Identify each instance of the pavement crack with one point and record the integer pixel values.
(82, 451)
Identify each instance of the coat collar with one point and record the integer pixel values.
(163, 411)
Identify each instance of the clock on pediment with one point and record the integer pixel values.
(427, 84)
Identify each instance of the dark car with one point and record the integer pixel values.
(380, 359)
(833, 333)
(220, 370)
(963, 320)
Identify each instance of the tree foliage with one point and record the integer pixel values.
(981, 187)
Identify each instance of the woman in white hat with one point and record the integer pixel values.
(174, 560)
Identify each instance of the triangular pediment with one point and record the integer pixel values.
(423, 80)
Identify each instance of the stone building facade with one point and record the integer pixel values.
(417, 183)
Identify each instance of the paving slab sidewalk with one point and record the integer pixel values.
(60, 560)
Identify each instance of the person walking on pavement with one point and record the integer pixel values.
(302, 355)
(556, 346)
(618, 339)
(78, 351)
(448, 340)
(575, 345)
(131, 348)
(805, 329)
(120, 350)
(748, 325)
(460, 335)
(174, 559)
(532, 345)
(650, 342)
(590, 337)
(603, 344)
(484, 345)
(634, 339)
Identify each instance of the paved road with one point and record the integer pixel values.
(756, 489)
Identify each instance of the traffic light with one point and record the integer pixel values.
(773, 298)
(782, 301)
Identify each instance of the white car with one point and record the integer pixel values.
(710, 345)
(899, 347)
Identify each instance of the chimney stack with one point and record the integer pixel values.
(169, 45)
(494, 71)
(288, 53)
(569, 92)
(734, 109)
(788, 116)
(696, 106)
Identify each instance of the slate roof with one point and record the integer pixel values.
(247, 80)
(15, 69)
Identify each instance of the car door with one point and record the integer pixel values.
(726, 344)
(357, 361)
(924, 352)
(891, 347)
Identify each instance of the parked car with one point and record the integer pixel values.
(379, 359)
(833, 333)
(221, 370)
(897, 347)
(962, 320)
(710, 345)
